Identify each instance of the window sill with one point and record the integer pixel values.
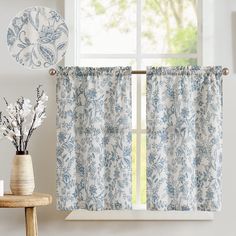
(139, 213)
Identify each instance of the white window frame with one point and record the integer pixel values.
(72, 59)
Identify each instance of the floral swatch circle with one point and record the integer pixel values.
(37, 37)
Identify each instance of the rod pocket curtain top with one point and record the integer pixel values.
(184, 138)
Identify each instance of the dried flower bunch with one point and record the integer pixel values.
(22, 119)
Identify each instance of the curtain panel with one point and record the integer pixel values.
(94, 125)
(184, 138)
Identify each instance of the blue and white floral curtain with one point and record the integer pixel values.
(94, 138)
(184, 138)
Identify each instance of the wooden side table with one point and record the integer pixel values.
(29, 203)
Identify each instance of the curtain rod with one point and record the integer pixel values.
(225, 71)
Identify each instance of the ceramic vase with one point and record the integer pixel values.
(22, 174)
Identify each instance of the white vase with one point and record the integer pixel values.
(22, 175)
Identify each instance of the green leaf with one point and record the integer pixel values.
(98, 7)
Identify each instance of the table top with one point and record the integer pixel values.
(34, 200)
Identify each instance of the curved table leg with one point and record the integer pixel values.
(31, 221)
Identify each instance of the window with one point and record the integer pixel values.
(138, 33)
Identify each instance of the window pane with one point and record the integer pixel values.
(143, 168)
(169, 62)
(108, 26)
(143, 102)
(106, 62)
(134, 144)
(169, 26)
(134, 102)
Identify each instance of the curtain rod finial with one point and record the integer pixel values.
(52, 71)
(225, 71)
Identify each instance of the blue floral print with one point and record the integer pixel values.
(184, 138)
(37, 37)
(94, 138)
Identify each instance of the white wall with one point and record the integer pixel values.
(16, 81)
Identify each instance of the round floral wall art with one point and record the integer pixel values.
(37, 37)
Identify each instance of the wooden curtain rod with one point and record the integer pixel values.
(225, 72)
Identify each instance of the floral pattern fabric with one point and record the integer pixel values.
(94, 138)
(184, 138)
(37, 37)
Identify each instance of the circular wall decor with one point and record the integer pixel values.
(37, 37)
